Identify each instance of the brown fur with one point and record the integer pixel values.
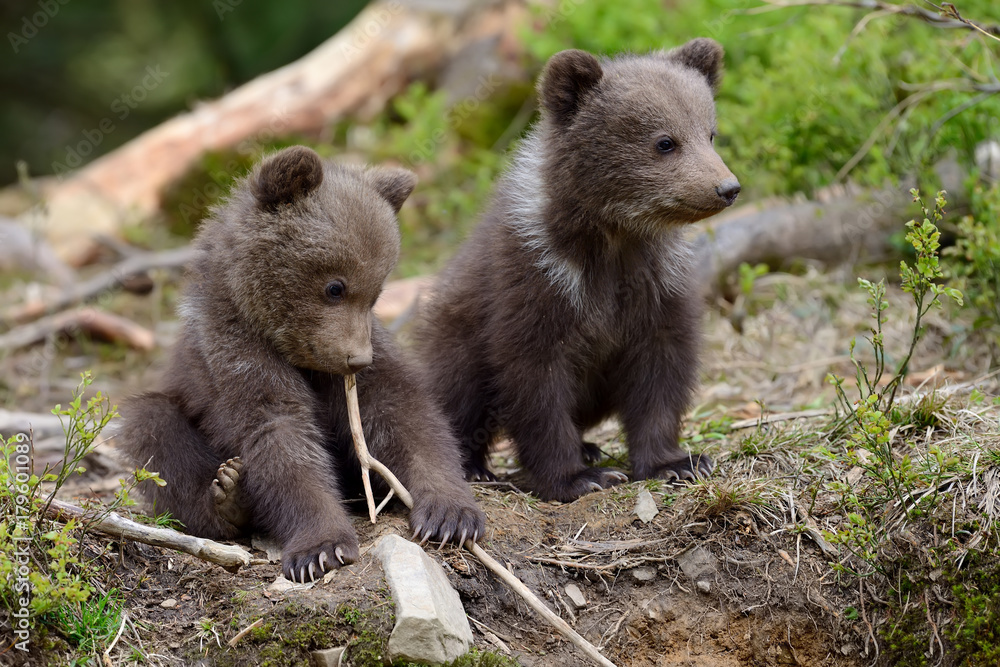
(573, 299)
(257, 372)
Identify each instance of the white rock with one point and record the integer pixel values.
(643, 574)
(331, 657)
(431, 625)
(645, 506)
(270, 547)
(575, 596)
(280, 586)
(704, 587)
(169, 603)
(697, 563)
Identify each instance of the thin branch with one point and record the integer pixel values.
(109, 280)
(228, 556)
(244, 632)
(366, 461)
(97, 323)
(945, 19)
(107, 651)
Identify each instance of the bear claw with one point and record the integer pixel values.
(227, 494)
(692, 469)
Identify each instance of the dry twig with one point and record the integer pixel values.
(244, 632)
(96, 323)
(107, 651)
(366, 461)
(109, 280)
(946, 17)
(230, 557)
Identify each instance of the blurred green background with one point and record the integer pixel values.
(67, 63)
(813, 96)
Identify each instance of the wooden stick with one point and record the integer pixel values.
(107, 651)
(228, 556)
(244, 632)
(366, 460)
(97, 323)
(109, 280)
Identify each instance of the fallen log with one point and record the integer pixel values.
(41, 426)
(848, 225)
(388, 45)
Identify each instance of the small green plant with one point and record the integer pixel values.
(44, 576)
(891, 478)
(91, 624)
(974, 261)
(748, 276)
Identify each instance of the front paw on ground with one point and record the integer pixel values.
(693, 468)
(591, 453)
(306, 565)
(443, 520)
(585, 481)
(478, 472)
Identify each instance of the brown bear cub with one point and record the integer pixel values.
(251, 431)
(574, 298)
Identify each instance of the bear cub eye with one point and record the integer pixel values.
(335, 290)
(665, 145)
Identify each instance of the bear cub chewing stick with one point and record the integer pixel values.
(574, 297)
(251, 430)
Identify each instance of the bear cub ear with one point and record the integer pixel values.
(394, 184)
(703, 55)
(568, 76)
(287, 176)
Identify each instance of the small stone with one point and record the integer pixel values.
(431, 625)
(704, 587)
(643, 574)
(169, 603)
(330, 657)
(697, 563)
(271, 549)
(281, 585)
(645, 506)
(174, 645)
(575, 596)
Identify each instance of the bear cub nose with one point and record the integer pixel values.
(358, 361)
(728, 190)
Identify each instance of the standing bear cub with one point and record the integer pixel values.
(574, 299)
(251, 430)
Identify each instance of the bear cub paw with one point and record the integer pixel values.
(227, 495)
(478, 472)
(304, 564)
(586, 481)
(447, 520)
(693, 468)
(591, 453)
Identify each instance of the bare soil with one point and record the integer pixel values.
(727, 572)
